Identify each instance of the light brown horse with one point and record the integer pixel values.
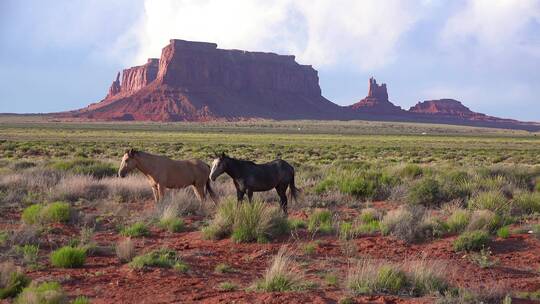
(163, 172)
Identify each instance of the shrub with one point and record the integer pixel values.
(283, 274)
(223, 268)
(310, 248)
(368, 228)
(320, 221)
(403, 223)
(503, 232)
(417, 278)
(258, 222)
(458, 220)
(223, 222)
(30, 214)
(84, 166)
(536, 231)
(4, 236)
(164, 258)
(492, 200)
(527, 202)
(297, 224)
(369, 215)
(227, 286)
(44, 293)
(359, 183)
(136, 230)
(374, 277)
(68, 257)
(57, 212)
(427, 277)
(432, 227)
(346, 231)
(29, 253)
(125, 250)
(368, 185)
(484, 258)
(411, 171)
(172, 224)
(424, 192)
(12, 280)
(484, 220)
(471, 241)
(81, 300)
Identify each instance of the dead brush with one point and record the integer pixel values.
(125, 250)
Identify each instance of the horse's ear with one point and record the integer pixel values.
(131, 152)
(223, 155)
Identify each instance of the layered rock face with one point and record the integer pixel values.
(196, 81)
(444, 107)
(377, 101)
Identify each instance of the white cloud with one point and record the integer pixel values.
(492, 26)
(319, 32)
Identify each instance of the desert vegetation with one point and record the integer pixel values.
(448, 219)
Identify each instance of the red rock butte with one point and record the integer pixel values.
(376, 102)
(196, 81)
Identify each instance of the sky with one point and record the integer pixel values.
(62, 55)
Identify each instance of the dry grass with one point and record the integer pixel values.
(125, 250)
(75, 187)
(484, 220)
(415, 278)
(282, 275)
(403, 223)
(132, 188)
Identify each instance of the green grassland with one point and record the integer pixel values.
(300, 141)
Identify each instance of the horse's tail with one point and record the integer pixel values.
(294, 192)
(210, 191)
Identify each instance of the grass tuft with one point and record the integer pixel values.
(283, 274)
(163, 258)
(136, 230)
(471, 241)
(43, 293)
(68, 257)
(321, 221)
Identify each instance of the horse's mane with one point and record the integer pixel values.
(241, 160)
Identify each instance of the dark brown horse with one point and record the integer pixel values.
(249, 177)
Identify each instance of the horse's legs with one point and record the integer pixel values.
(199, 192)
(161, 192)
(239, 195)
(155, 192)
(250, 195)
(282, 192)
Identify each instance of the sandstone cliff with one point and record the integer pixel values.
(196, 81)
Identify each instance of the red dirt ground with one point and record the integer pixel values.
(105, 280)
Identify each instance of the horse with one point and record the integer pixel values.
(163, 172)
(249, 177)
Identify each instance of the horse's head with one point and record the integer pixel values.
(128, 162)
(219, 165)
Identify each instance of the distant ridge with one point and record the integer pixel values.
(196, 81)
